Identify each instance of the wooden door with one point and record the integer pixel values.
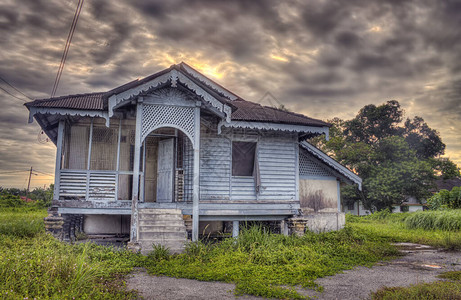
(150, 173)
(165, 165)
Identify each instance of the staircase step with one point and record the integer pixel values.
(161, 228)
(161, 235)
(161, 223)
(143, 216)
(173, 248)
(160, 211)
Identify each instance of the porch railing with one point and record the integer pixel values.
(91, 185)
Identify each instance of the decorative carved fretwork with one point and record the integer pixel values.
(67, 112)
(274, 126)
(156, 116)
(207, 97)
(174, 77)
(210, 83)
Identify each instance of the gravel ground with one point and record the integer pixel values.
(420, 264)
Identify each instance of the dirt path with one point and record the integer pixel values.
(421, 264)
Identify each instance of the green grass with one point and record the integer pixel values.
(394, 229)
(436, 290)
(35, 265)
(270, 265)
(20, 222)
(413, 227)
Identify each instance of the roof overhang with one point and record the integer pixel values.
(333, 164)
(48, 117)
(276, 126)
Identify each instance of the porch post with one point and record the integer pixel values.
(339, 195)
(135, 192)
(57, 168)
(196, 182)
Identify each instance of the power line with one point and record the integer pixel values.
(17, 90)
(67, 46)
(12, 94)
(43, 172)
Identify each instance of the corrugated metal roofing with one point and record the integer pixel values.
(242, 110)
(92, 101)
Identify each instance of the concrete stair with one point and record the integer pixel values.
(161, 227)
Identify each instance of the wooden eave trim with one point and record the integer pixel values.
(276, 127)
(332, 163)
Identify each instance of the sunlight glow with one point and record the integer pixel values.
(375, 29)
(279, 58)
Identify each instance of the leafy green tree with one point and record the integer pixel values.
(394, 161)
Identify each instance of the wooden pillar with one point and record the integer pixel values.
(135, 193)
(339, 195)
(235, 228)
(57, 168)
(88, 163)
(284, 227)
(196, 178)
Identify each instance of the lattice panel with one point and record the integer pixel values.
(155, 116)
(104, 135)
(309, 167)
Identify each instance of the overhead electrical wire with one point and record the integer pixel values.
(6, 91)
(16, 89)
(48, 174)
(66, 47)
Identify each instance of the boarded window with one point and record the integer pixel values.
(243, 157)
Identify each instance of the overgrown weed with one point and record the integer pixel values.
(270, 265)
(35, 265)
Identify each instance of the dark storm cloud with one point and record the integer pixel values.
(323, 58)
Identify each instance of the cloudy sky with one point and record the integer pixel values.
(322, 58)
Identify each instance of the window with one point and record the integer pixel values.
(404, 208)
(243, 158)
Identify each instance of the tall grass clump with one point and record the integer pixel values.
(269, 265)
(35, 265)
(448, 220)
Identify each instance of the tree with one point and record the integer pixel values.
(394, 161)
(426, 141)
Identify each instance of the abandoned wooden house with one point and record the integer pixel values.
(162, 156)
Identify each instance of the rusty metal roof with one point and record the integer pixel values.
(243, 110)
(250, 111)
(93, 101)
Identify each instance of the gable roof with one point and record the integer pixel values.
(242, 110)
(331, 163)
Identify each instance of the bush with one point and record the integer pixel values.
(446, 199)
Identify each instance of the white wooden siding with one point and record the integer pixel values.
(215, 160)
(277, 165)
(243, 188)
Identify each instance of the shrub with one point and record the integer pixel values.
(446, 199)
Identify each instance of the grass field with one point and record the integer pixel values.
(35, 265)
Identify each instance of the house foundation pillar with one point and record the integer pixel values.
(54, 224)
